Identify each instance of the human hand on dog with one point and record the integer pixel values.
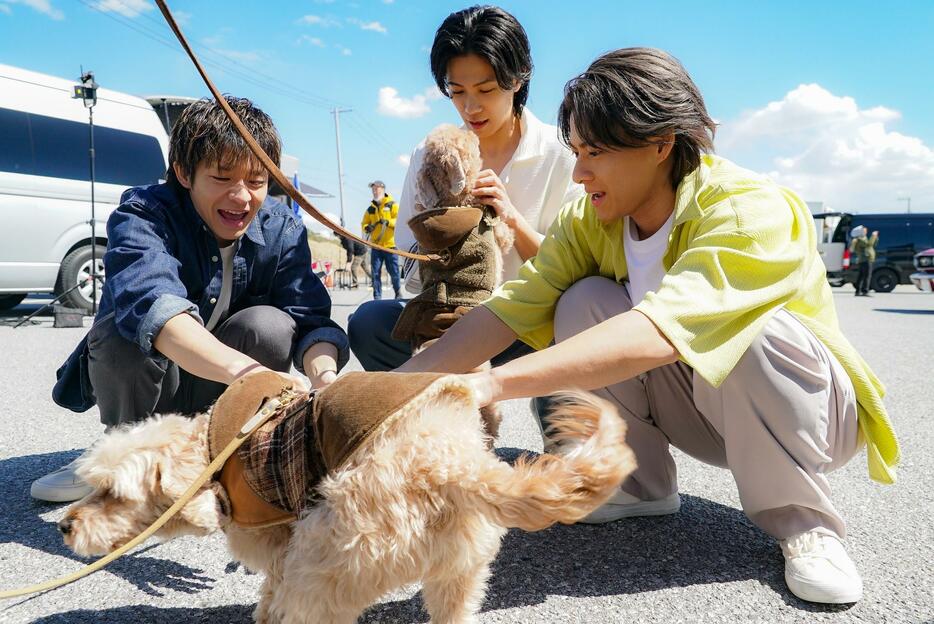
(320, 364)
(483, 386)
(258, 368)
(491, 191)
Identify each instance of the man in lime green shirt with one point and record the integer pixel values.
(689, 292)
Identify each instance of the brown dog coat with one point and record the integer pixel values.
(273, 476)
(466, 275)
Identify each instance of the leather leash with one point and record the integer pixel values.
(258, 151)
(268, 409)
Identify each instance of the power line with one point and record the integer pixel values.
(286, 85)
(255, 78)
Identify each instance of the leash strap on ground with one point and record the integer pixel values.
(274, 171)
(269, 408)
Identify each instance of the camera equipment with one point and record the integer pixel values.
(87, 93)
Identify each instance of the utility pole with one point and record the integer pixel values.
(907, 198)
(340, 166)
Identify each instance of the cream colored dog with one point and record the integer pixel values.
(422, 500)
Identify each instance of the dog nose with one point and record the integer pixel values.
(64, 525)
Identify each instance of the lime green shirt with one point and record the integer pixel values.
(741, 248)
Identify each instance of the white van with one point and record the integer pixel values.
(45, 189)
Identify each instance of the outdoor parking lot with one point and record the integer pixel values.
(705, 564)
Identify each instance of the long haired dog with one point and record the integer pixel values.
(421, 499)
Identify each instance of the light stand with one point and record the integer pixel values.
(87, 93)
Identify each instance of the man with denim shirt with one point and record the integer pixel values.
(206, 282)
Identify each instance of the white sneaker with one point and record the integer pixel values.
(61, 486)
(817, 569)
(624, 505)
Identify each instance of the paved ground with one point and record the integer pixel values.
(706, 564)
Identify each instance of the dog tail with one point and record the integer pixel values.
(589, 461)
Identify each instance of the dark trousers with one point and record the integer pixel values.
(378, 257)
(862, 277)
(370, 332)
(131, 386)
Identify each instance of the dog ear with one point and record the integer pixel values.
(129, 478)
(425, 193)
(457, 176)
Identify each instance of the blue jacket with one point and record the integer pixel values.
(162, 260)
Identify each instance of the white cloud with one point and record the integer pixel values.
(388, 1)
(5, 8)
(392, 104)
(433, 93)
(317, 20)
(403, 159)
(315, 41)
(826, 148)
(127, 8)
(374, 26)
(43, 6)
(344, 51)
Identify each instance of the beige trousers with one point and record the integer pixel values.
(783, 418)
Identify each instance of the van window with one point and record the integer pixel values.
(907, 232)
(15, 147)
(57, 148)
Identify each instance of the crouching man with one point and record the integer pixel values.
(205, 284)
(688, 291)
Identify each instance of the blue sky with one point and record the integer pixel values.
(834, 99)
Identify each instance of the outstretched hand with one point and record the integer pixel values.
(483, 386)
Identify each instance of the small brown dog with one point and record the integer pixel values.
(468, 236)
(420, 499)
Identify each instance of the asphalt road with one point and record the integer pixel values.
(706, 564)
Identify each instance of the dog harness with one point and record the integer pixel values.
(465, 276)
(274, 476)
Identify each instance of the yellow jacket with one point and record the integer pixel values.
(741, 248)
(386, 210)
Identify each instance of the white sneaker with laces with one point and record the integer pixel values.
(818, 569)
(61, 486)
(624, 505)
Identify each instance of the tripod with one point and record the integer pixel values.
(80, 284)
(87, 93)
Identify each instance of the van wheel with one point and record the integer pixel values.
(8, 302)
(884, 280)
(76, 269)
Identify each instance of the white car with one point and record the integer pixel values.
(45, 188)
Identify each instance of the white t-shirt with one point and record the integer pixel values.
(644, 259)
(537, 179)
(223, 300)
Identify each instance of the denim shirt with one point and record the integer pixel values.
(162, 260)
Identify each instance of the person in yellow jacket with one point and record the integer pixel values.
(689, 292)
(379, 225)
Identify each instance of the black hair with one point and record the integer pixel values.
(492, 34)
(630, 97)
(204, 133)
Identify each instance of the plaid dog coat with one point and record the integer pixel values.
(273, 477)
